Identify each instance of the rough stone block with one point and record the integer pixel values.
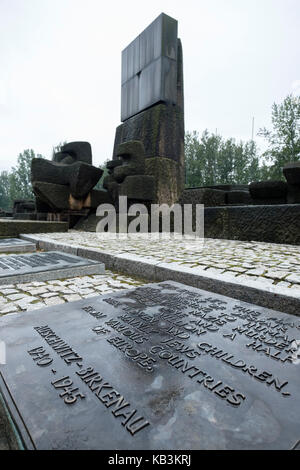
(291, 172)
(268, 190)
(168, 177)
(160, 128)
(79, 177)
(293, 195)
(140, 188)
(208, 197)
(239, 197)
(13, 228)
(265, 223)
(79, 151)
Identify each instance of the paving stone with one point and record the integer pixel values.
(35, 306)
(256, 271)
(294, 278)
(83, 291)
(16, 296)
(295, 287)
(23, 303)
(8, 291)
(279, 274)
(72, 298)
(48, 295)
(38, 291)
(229, 261)
(54, 288)
(54, 301)
(10, 308)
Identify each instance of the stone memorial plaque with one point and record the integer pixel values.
(149, 68)
(45, 266)
(162, 366)
(8, 245)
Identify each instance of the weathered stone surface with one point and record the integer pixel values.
(272, 223)
(127, 175)
(160, 128)
(79, 151)
(293, 195)
(23, 206)
(25, 216)
(113, 164)
(132, 156)
(13, 228)
(291, 172)
(268, 190)
(55, 196)
(168, 177)
(66, 182)
(228, 187)
(183, 383)
(62, 157)
(139, 188)
(8, 437)
(238, 197)
(97, 197)
(78, 177)
(45, 266)
(208, 197)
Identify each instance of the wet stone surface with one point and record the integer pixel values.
(264, 264)
(22, 297)
(12, 241)
(162, 366)
(8, 245)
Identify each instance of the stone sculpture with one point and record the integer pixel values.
(66, 183)
(127, 174)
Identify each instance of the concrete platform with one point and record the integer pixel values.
(266, 274)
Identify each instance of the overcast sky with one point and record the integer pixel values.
(60, 67)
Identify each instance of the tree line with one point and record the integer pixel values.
(209, 159)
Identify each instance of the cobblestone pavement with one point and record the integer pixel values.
(268, 264)
(250, 263)
(35, 295)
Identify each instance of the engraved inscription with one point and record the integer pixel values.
(111, 398)
(69, 393)
(130, 419)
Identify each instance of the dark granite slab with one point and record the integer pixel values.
(45, 266)
(163, 366)
(149, 67)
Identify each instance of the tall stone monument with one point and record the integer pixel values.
(152, 108)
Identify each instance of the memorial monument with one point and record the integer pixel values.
(64, 186)
(152, 106)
